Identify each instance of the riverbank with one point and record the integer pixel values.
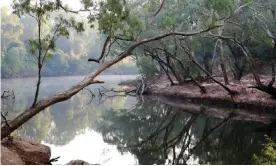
(216, 111)
(247, 98)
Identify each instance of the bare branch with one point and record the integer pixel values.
(92, 97)
(103, 50)
(160, 7)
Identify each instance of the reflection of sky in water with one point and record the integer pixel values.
(124, 121)
(90, 147)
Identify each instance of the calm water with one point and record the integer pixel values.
(130, 130)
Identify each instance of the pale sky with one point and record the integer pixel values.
(74, 4)
(5, 3)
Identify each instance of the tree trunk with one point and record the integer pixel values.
(44, 103)
(222, 64)
(168, 75)
(39, 63)
(202, 88)
(207, 63)
(239, 62)
(273, 66)
(260, 86)
(175, 71)
(191, 57)
(37, 86)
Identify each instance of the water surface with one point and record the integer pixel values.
(129, 130)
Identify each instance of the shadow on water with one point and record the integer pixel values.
(158, 133)
(154, 130)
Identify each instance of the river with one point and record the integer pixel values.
(113, 129)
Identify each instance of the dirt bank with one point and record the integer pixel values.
(246, 98)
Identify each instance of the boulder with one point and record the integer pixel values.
(9, 157)
(77, 162)
(30, 152)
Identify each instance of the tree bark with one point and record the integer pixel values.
(39, 65)
(239, 63)
(168, 75)
(175, 70)
(222, 64)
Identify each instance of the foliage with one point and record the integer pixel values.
(70, 53)
(146, 66)
(268, 156)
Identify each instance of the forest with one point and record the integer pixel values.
(218, 50)
(69, 57)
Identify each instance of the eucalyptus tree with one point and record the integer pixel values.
(258, 26)
(42, 46)
(265, 13)
(114, 20)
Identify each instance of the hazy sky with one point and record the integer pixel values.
(5, 3)
(74, 4)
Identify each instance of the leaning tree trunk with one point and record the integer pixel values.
(222, 63)
(260, 86)
(26, 115)
(175, 70)
(166, 72)
(238, 66)
(191, 57)
(202, 88)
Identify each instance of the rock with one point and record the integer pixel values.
(77, 162)
(29, 151)
(9, 157)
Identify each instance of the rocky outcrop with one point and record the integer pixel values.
(30, 152)
(19, 151)
(9, 157)
(77, 162)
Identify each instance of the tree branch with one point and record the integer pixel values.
(48, 101)
(103, 50)
(160, 7)
(59, 4)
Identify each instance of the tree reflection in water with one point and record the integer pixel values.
(156, 133)
(160, 134)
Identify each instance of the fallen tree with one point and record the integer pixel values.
(48, 101)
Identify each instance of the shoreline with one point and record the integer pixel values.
(217, 111)
(247, 98)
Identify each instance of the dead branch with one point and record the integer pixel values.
(103, 50)
(92, 97)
